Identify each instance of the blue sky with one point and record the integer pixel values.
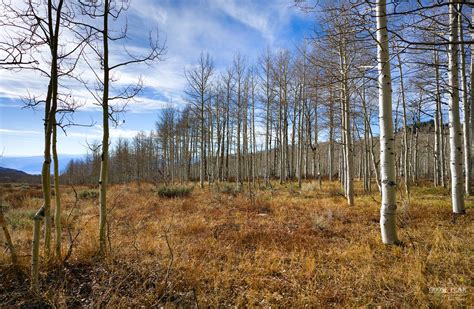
(220, 27)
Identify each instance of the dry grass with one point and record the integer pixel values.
(291, 248)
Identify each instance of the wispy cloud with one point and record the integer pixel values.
(96, 133)
(18, 132)
(220, 27)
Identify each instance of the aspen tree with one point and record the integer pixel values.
(455, 133)
(267, 87)
(465, 104)
(199, 83)
(50, 111)
(104, 158)
(387, 147)
(105, 94)
(471, 141)
(439, 114)
(57, 196)
(406, 151)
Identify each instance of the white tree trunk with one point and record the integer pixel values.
(387, 147)
(455, 132)
(471, 142)
(406, 152)
(57, 196)
(439, 114)
(346, 128)
(465, 103)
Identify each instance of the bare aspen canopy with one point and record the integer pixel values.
(308, 173)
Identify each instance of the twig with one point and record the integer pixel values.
(170, 263)
(195, 298)
(168, 270)
(72, 240)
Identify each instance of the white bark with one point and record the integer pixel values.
(439, 116)
(346, 128)
(455, 132)
(471, 140)
(387, 147)
(437, 170)
(406, 153)
(465, 103)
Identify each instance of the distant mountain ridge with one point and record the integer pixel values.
(12, 175)
(33, 164)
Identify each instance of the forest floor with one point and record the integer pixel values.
(290, 247)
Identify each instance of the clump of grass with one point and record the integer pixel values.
(174, 191)
(88, 194)
(230, 188)
(20, 218)
(309, 187)
(322, 222)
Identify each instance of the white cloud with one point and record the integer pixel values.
(221, 27)
(18, 132)
(96, 133)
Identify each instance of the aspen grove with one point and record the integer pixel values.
(310, 174)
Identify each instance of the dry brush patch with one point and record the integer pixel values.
(289, 247)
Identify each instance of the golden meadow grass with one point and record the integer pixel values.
(290, 248)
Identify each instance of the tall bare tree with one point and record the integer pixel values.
(199, 92)
(104, 94)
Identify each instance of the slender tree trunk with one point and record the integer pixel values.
(54, 33)
(367, 174)
(267, 137)
(406, 153)
(440, 122)
(455, 133)
(348, 155)
(239, 120)
(300, 137)
(210, 142)
(8, 239)
(331, 137)
(417, 128)
(439, 172)
(45, 173)
(281, 145)
(228, 143)
(254, 136)
(202, 142)
(465, 104)
(387, 147)
(293, 157)
(286, 146)
(104, 158)
(57, 209)
(245, 139)
(471, 140)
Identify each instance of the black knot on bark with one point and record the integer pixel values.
(389, 182)
(40, 214)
